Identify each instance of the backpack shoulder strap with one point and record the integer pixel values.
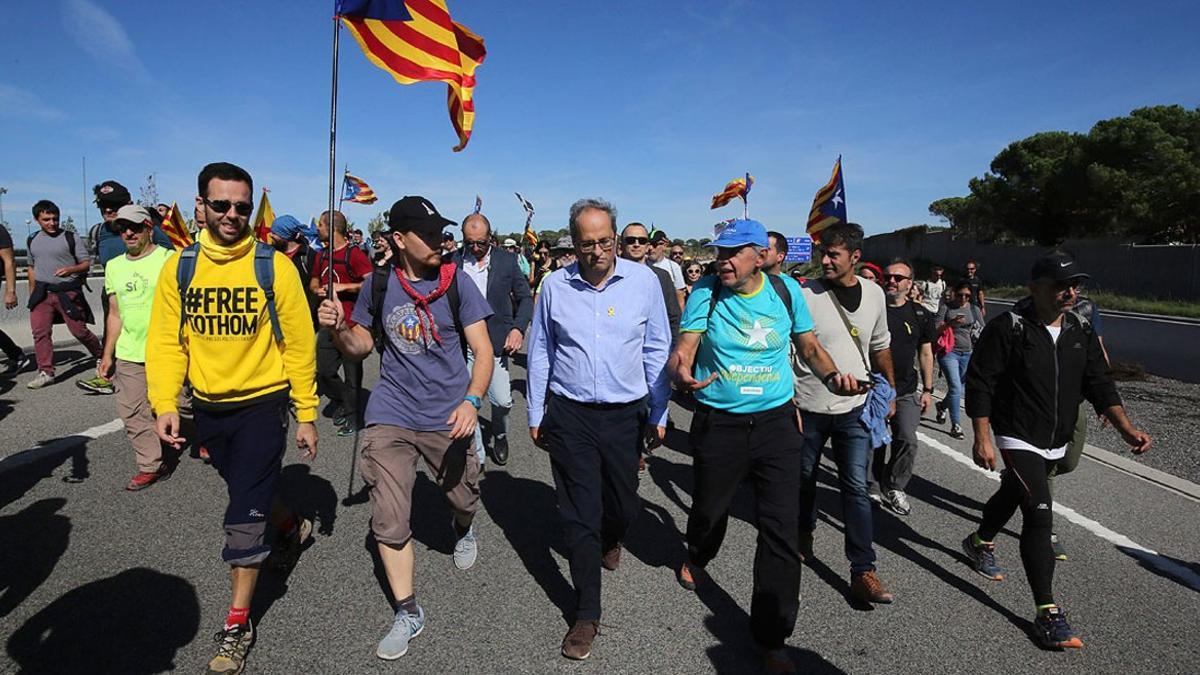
(183, 279)
(264, 273)
(29, 242)
(380, 278)
(784, 294)
(70, 241)
(712, 302)
(455, 299)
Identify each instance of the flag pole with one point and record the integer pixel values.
(341, 196)
(337, 26)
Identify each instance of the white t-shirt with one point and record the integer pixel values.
(932, 292)
(675, 270)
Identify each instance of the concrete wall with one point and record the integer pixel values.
(1115, 266)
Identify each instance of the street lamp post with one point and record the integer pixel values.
(3, 191)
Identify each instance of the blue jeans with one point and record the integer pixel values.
(499, 393)
(954, 367)
(852, 453)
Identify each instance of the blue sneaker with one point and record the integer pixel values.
(406, 627)
(466, 549)
(983, 558)
(1051, 629)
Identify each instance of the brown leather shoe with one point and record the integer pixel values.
(686, 576)
(577, 645)
(611, 559)
(867, 587)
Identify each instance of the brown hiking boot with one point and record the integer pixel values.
(611, 559)
(867, 587)
(577, 645)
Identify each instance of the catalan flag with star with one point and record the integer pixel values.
(355, 189)
(175, 229)
(264, 218)
(738, 187)
(417, 41)
(829, 204)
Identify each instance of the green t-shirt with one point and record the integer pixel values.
(133, 282)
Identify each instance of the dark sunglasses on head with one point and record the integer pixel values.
(895, 277)
(136, 228)
(635, 241)
(222, 206)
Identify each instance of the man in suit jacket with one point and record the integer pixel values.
(499, 278)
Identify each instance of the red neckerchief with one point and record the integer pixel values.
(445, 276)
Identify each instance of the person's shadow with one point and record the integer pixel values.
(309, 495)
(133, 622)
(526, 511)
(43, 534)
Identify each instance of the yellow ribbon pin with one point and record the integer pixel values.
(612, 312)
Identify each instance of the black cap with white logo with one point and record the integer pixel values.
(111, 192)
(1057, 266)
(416, 214)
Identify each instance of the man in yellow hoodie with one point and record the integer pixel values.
(244, 362)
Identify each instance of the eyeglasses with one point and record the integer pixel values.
(895, 277)
(136, 228)
(475, 242)
(222, 206)
(962, 295)
(676, 254)
(694, 270)
(604, 244)
(109, 209)
(635, 241)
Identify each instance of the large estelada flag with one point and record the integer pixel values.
(355, 189)
(417, 41)
(738, 187)
(829, 204)
(175, 229)
(263, 219)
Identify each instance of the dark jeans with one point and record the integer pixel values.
(594, 453)
(330, 384)
(894, 474)
(766, 449)
(852, 453)
(1024, 483)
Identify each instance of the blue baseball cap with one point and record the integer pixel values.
(286, 227)
(740, 233)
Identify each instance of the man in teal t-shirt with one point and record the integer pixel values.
(129, 283)
(745, 424)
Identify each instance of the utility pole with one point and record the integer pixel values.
(3, 191)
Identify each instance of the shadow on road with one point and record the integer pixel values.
(310, 496)
(43, 534)
(20, 472)
(1186, 574)
(526, 511)
(133, 622)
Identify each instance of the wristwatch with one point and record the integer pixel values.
(474, 400)
(927, 390)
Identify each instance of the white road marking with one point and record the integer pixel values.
(24, 457)
(1151, 558)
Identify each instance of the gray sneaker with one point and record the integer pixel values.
(40, 380)
(898, 502)
(405, 627)
(466, 550)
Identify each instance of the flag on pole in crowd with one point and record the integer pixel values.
(417, 41)
(530, 236)
(175, 229)
(264, 218)
(720, 227)
(478, 204)
(829, 204)
(738, 187)
(355, 189)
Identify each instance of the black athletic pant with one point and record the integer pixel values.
(10, 348)
(594, 452)
(765, 448)
(329, 383)
(1024, 483)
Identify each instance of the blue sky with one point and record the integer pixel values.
(652, 105)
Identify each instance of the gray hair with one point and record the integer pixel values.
(585, 204)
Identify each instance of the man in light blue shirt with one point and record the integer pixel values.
(598, 349)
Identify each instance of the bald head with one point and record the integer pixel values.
(476, 227)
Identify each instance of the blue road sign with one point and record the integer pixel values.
(799, 249)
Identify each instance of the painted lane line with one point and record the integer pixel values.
(1149, 557)
(23, 457)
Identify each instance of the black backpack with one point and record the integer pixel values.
(380, 278)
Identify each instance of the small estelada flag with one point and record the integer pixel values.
(263, 219)
(175, 229)
(355, 189)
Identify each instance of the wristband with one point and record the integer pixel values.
(927, 390)
(828, 378)
(474, 400)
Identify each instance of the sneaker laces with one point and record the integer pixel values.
(987, 555)
(407, 620)
(230, 641)
(463, 541)
(1056, 621)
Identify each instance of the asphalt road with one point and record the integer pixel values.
(95, 579)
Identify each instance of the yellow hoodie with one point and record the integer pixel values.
(229, 353)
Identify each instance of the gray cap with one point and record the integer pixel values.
(564, 244)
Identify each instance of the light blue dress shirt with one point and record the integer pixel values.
(600, 345)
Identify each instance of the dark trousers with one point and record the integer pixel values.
(764, 448)
(330, 384)
(10, 348)
(894, 474)
(246, 446)
(852, 453)
(1024, 484)
(594, 458)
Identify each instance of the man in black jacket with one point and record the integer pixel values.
(499, 278)
(1030, 369)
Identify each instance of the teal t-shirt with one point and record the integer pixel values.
(747, 341)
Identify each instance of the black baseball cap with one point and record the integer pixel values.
(1057, 266)
(658, 237)
(111, 192)
(416, 214)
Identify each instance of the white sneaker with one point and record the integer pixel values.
(40, 380)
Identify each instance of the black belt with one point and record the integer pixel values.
(600, 405)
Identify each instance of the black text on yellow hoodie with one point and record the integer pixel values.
(228, 351)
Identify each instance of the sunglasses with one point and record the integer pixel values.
(635, 241)
(222, 206)
(475, 242)
(963, 295)
(136, 228)
(676, 254)
(895, 277)
(109, 209)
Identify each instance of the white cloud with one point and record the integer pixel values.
(16, 102)
(100, 35)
